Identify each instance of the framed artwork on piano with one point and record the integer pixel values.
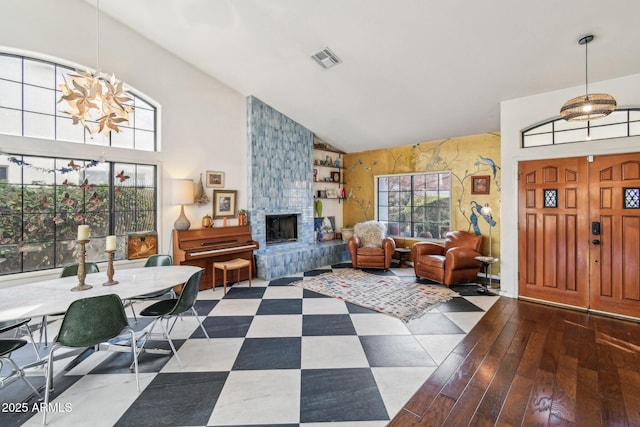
(224, 203)
(215, 179)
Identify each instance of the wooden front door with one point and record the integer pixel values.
(553, 228)
(579, 232)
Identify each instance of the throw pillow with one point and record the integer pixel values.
(370, 233)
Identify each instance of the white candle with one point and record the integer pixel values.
(111, 243)
(83, 232)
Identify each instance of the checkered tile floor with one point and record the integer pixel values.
(278, 355)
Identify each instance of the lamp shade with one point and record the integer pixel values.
(486, 210)
(588, 107)
(183, 191)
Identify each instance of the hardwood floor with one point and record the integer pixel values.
(535, 365)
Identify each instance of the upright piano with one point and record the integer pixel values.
(202, 247)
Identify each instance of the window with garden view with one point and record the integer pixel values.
(415, 205)
(44, 199)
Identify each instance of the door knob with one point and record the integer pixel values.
(595, 241)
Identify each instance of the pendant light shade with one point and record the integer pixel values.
(590, 106)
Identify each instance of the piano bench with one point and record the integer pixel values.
(234, 264)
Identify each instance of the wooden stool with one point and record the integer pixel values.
(234, 264)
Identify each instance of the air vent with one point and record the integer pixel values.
(326, 58)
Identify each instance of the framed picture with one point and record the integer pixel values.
(332, 193)
(480, 184)
(335, 176)
(215, 179)
(224, 203)
(142, 245)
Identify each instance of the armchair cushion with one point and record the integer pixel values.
(370, 233)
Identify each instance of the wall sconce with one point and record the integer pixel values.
(182, 195)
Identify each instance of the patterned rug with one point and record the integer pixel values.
(386, 294)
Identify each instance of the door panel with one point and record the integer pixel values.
(553, 230)
(615, 261)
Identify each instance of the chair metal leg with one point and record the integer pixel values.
(135, 319)
(195, 313)
(33, 342)
(175, 352)
(48, 384)
(134, 354)
(19, 374)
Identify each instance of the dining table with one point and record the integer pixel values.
(51, 296)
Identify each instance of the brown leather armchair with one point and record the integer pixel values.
(369, 246)
(452, 263)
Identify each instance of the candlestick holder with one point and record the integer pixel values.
(82, 269)
(110, 280)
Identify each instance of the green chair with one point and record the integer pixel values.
(174, 307)
(8, 346)
(17, 325)
(67, 271)
(89, 322)
(153, 261)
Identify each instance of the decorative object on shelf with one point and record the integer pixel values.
(242, 217)
(92, 97)
(332, 193)
(182, 195)
(318, 207)
(315, 174)
(347, 233)
(480, 184)
(343, 193)
(589, 106)
(206, 221)
(224, 221)
(142, 245)
(82, 240)
(335, 176)
(337, 163)
(215, 179)
(201, 197)
(224, 203)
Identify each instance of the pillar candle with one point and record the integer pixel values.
(111, 243)
(83, 232)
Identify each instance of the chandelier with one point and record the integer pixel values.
(589, 106)
(94, 97)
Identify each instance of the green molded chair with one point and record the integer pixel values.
(174, 307)
(17, 325)
(89, 322)
(8, 346)
(159, 260)
(67, 271)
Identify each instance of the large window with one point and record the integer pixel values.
(29, 94)
(415, 205)
(44, 199)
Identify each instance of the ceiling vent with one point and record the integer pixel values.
(326, 58)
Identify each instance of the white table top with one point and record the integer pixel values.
(55, 295)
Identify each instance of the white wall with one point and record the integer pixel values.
(203, 124)
(521, 113)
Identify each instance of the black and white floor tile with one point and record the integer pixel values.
(277, 355)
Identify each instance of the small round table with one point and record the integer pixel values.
(486, 261)
(403, 254)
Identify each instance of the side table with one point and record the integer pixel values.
(486, 261)
(403, 254)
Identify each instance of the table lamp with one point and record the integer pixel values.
(182, 195)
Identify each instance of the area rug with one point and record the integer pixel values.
(386, 294)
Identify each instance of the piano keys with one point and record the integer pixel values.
(202, 247)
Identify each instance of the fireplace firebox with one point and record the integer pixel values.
(281, 228)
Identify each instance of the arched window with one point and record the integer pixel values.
(619, 124)
(29, 94)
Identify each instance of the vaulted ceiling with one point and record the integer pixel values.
(412, 70)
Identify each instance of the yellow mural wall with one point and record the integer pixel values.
(465, 157)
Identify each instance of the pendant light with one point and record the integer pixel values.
(589, 106)
(92, 97)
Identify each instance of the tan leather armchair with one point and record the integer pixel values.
(369, 246)
(453, 262)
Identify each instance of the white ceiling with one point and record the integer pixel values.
(413, 70)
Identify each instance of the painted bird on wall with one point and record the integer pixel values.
(494, 168)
